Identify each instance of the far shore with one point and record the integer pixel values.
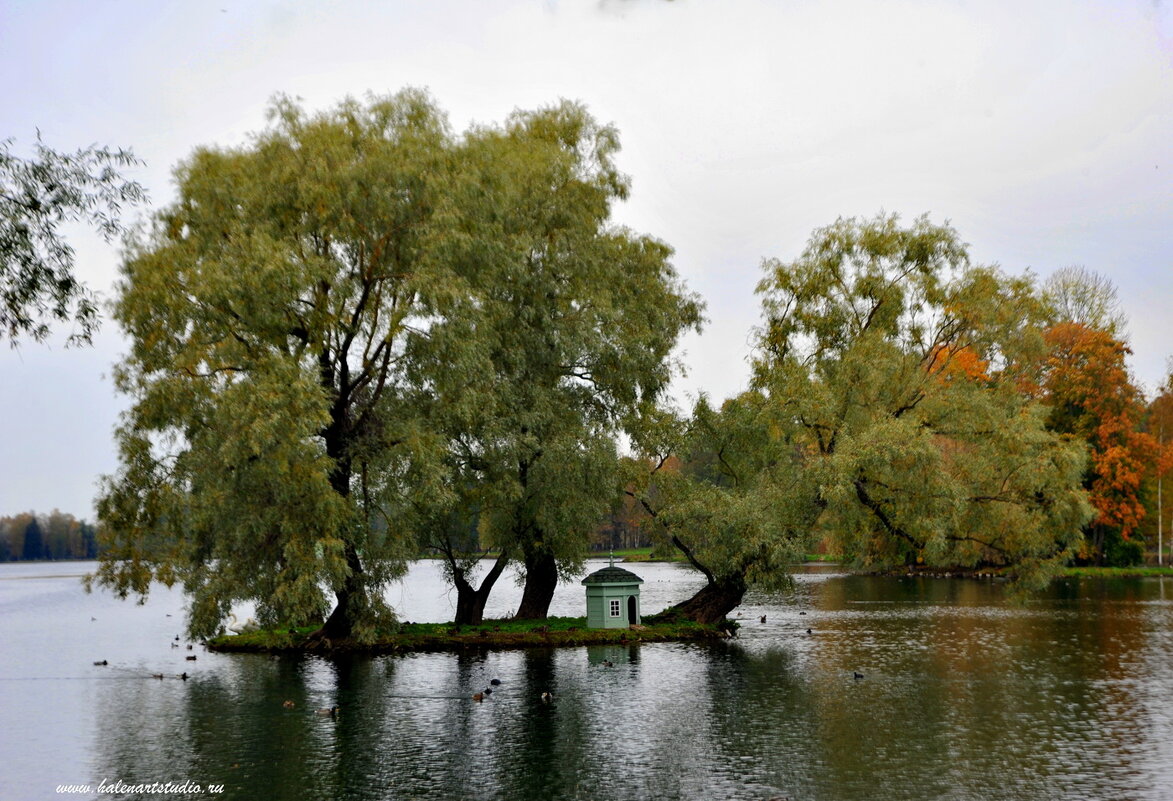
(647, 554)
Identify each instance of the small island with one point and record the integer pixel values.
(496, 634)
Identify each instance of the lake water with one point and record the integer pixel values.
(964, 695)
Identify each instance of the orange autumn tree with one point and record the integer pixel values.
(1160, 426)
(629, 524)
(950, 363)
(1091, 396)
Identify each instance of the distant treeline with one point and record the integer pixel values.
(627, 526)
(29, 536)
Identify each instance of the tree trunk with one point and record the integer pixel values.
(351, 598)
(712, 602)
(352, 594)
(541, 579)
(1097, 545)
(470, 602)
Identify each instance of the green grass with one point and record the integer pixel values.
(640, 555)
(1118, 572)
(649, 554)
(407, 637)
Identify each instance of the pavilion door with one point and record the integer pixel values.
(631, 610)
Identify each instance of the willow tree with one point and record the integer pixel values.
(890, 418)
(573, 320)
(268, 310)
(39, 196)
(730, 489)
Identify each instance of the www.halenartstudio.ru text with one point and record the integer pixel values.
(122, 788)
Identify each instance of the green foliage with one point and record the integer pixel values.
(34, 543)
(887, 416)
(901, 365)
(56, 535)
(556, 334)
(735, 506)
(268, 310)
(37, 197)
(358, 329)
(1120, 552)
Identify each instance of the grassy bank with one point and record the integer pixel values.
(1118, 572)
(649, 555)
(1137, 571)
(639, 555)
(409, 637)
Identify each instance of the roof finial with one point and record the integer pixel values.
(612, 556)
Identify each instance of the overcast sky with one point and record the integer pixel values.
(1043, 131)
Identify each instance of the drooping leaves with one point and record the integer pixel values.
(38, 196)
(268, 312)
(887, 418)
(558, 338)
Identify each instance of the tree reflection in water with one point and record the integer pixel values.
(965, 696)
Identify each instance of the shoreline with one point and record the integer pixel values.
(491, 634)
(1136, 571)
(507, 634)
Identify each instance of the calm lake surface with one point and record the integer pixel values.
(964, 695)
